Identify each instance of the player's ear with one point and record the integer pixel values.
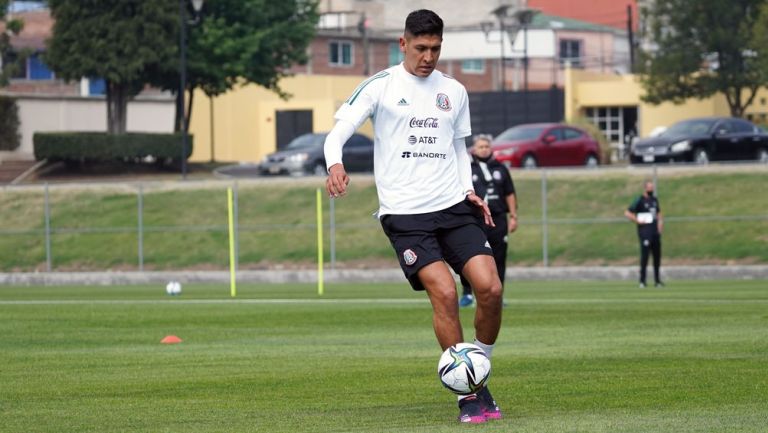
(402, 43)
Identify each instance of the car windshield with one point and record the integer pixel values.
(305, 141)
(520, 133)
(690, 127)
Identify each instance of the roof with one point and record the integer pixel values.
(544, 21)
(38, 26)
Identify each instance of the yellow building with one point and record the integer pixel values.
(248, 122)
(612, 102)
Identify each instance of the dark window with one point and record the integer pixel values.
(743, 127)
(572, 134)
(340, 53)
(570, 52)
(558, 133)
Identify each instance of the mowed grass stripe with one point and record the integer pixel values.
(637, 361)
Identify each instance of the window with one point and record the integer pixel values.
(37, 69)
(395, 55)
(570, 52)
(473, 66)
(610, 120)
(340, 53)
(572, 134)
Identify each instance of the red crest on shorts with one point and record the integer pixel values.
(410, 257)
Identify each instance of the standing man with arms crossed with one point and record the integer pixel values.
(646, 213)
(493, 183)
(427, 205)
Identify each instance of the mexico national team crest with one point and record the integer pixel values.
(409, 256)
(443, 102)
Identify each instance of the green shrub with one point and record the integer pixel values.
(597, 134)
(9, 124)
(102, 147)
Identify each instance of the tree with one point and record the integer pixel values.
(236, 42)
(125, 42)
(701, 48)
(8, 27)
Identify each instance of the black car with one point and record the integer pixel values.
(703, 140)
(304, 155)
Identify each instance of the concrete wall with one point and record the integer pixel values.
(38, 114)
(244, 118)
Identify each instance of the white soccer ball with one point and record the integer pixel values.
(173, 288)
(464, 368)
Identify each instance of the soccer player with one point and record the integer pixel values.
(646, 213)
(427, 205)
(492, 181)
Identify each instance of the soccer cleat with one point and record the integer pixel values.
(659, 284)
(466, 301)
(471, 410)
(641, 285)
(490, 408)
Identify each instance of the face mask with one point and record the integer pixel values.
(484, 159)
(650, 193)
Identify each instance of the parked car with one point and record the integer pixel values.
(702, 140)
(304, 155)
(546, 145)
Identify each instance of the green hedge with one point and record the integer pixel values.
(101, 146)
(9, 124)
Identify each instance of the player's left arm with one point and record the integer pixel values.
(512, 205)
(659, 222)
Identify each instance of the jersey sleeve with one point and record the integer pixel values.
(461, 126)
(634, 206)
(509, 185)
(363, 102)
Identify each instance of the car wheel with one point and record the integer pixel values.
(529, 162)
(762, 155)
(319, 169)
(591, 161)
(701, 156)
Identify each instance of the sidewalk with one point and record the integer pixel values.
(587, 273)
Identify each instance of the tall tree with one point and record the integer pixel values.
(7, 28)
(236, 42)
(701, 48)
(125, 42)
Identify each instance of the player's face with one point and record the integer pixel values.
(482, 148)
(421, 53)
(648, 187)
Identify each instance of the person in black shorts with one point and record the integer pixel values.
(646, 213)
(492, 181)
(427, 204)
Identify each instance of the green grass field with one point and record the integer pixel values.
(95, 226)
(572, 357)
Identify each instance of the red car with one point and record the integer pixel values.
(546, 145)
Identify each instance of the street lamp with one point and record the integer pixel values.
(524, 18)
(197, 5)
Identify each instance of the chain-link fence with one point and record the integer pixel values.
(715, 214)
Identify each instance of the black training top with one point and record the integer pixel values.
(644, 204)
(493, 183)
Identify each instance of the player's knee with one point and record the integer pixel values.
(490, 292)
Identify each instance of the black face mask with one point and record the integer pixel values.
(486, 159)
(650, 193)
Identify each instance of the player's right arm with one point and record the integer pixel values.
(630, 212)
(337, 181)
(360, 106)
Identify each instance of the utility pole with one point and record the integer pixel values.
(631, 38)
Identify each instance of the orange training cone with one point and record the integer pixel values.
(171, 339)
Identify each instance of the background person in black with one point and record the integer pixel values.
(492, 181)
(646, 213)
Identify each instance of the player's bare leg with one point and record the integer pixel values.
(482, 275)
(481, 272)
(441, 288)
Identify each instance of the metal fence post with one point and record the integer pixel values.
(544, 232)
(140, 234)
(332, 218)
(47, 211)
(236, 224)
(655, 179)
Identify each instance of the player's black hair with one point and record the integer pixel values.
(423, 22)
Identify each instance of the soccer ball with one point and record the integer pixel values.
(464, 368)
(173, 288)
